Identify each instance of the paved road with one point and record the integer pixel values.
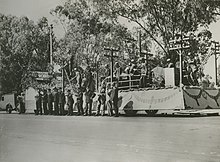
(29, 138)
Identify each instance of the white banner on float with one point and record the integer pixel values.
(169, 77)
(162, 99)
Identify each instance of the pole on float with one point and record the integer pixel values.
(112, 59)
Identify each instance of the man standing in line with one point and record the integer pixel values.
(61, 97)
(56, 101)
(50, 101)
(88, 102)
(38, 99)
(44, 99)
(114, 98)
(79, 98)
(69, 101)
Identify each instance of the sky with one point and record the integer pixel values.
(35, 9)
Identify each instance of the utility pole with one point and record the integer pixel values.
(97, 72)
(112, 50)
(216, 52)
(62, 71)
(179, 44)
(146, 55)
(140, 49)
(51, 45)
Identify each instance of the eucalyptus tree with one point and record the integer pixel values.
(87, 32)
(23, 48)
(161, 20)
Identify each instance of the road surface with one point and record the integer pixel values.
(30, 138)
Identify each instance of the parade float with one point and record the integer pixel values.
(178, 98)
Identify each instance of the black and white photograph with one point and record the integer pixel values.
(109, 81)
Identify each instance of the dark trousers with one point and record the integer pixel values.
(79, 107)
(39, 108)
(70, 109)
(88, 108)
(22, 107)
(50, 106)
(56, 108)
(115, 106)
(61, 108)
(45, 108)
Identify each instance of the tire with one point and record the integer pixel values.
(130, 112)
(151, 112)
(8, 108)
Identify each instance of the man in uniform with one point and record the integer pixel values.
(114, 98)
(61, 97)
(44, 99)
(50, 101)
(79, 98)
(107, 70)
(38, 98)
(56, 101)
(88, 102)
(69, 101)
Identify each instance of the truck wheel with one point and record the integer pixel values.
(151, 112)
(130, 112)
(8, 108)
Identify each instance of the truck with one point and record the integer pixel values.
(8, 102)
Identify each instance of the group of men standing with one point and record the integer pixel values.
(49, 103)
(79, 96)
(57, 102)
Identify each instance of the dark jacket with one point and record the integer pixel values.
(114, 94)
(49, 98)
(56, 97)
(61, 97)
(45, 98)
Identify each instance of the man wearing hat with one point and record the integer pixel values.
(56, 101)
(101, 101)
(79, 98)
(61, 97)
(114, 98)
(44, 99)
(50, 101)
(69, 101)
(78, 77)
(107, 70)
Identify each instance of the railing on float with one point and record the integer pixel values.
(127, 82)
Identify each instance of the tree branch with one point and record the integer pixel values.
(148, 32)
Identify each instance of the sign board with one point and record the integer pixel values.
(169, 77)
(43, 76)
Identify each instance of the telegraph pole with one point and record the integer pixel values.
(216, 52)
(145, 54)
(62, 76)
(51, 45)
(179, 45)
(112, 50)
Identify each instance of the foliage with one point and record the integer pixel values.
(87, 33)
(161, 20)
(24, 47)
